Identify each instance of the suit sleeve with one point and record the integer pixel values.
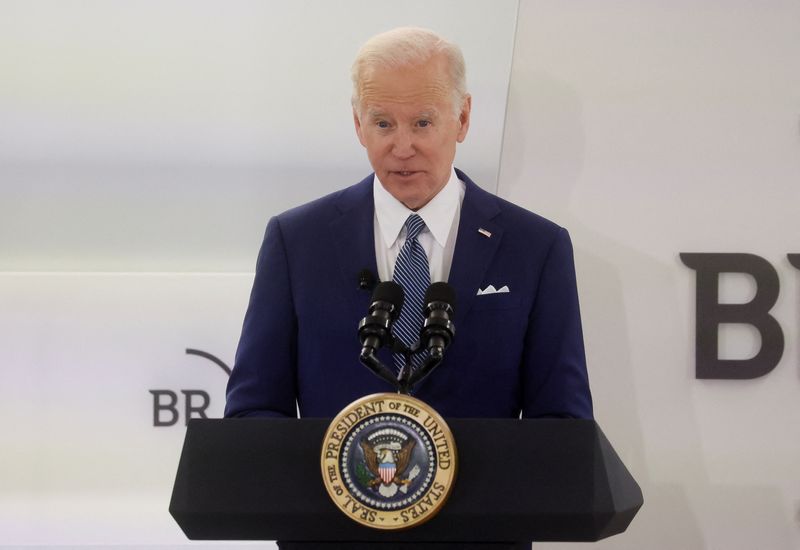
(554, 380)
(263, 381)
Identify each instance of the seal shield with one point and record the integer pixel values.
(389, 461)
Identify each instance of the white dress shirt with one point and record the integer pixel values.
(438, 239)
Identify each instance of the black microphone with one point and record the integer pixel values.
(436, 334)
(438, 330)
(366, 279)
(376, 328)
(387, 299)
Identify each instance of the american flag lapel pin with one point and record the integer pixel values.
(485, 233)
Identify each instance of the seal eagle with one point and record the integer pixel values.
(383, 455)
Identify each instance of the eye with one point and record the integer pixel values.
(424, 123)
(382, 124)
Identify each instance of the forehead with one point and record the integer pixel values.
(421, 86)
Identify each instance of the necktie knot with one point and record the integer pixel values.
(414, 226)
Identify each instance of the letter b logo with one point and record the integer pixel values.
(711, 313)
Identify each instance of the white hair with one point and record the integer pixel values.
(405, 46)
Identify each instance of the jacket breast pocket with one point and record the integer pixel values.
(503, 300)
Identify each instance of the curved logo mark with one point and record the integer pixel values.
(166, 408)
(216, 360)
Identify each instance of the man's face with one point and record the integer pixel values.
(407, 124)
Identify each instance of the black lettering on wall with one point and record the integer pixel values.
(159, 407)
(710, 314)
(192, 408)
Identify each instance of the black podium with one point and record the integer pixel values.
(540, 480)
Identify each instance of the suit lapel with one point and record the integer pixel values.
(474, 250)
(354, 236)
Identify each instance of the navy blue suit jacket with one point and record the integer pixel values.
(520, 351)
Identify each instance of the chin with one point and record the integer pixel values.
(413, 205)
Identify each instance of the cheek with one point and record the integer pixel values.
(376, 155)
(375, 149)
(377, 142)
(444, 145)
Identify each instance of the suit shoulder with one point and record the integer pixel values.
(327, 206)
(525, 218)
(523, 222)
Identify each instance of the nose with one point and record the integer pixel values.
(403, 144)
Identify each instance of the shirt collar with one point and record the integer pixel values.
(438, 214)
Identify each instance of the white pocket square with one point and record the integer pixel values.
(492, 290)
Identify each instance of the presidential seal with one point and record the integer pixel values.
(389, 461)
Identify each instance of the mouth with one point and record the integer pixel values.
(405, 173)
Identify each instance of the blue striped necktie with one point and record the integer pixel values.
(411, 271)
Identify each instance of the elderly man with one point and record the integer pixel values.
(518, 348)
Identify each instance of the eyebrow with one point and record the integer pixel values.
(379, 113)
(375, 113)
(428, 114)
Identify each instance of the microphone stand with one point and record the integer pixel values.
(371, 361)
(432, 361)
(405, 373)
(437, 332)
(408, 377)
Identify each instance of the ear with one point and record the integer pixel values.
(463, 118)
(359, 130)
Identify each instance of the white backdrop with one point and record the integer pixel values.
(144, 145)
(650, 129)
